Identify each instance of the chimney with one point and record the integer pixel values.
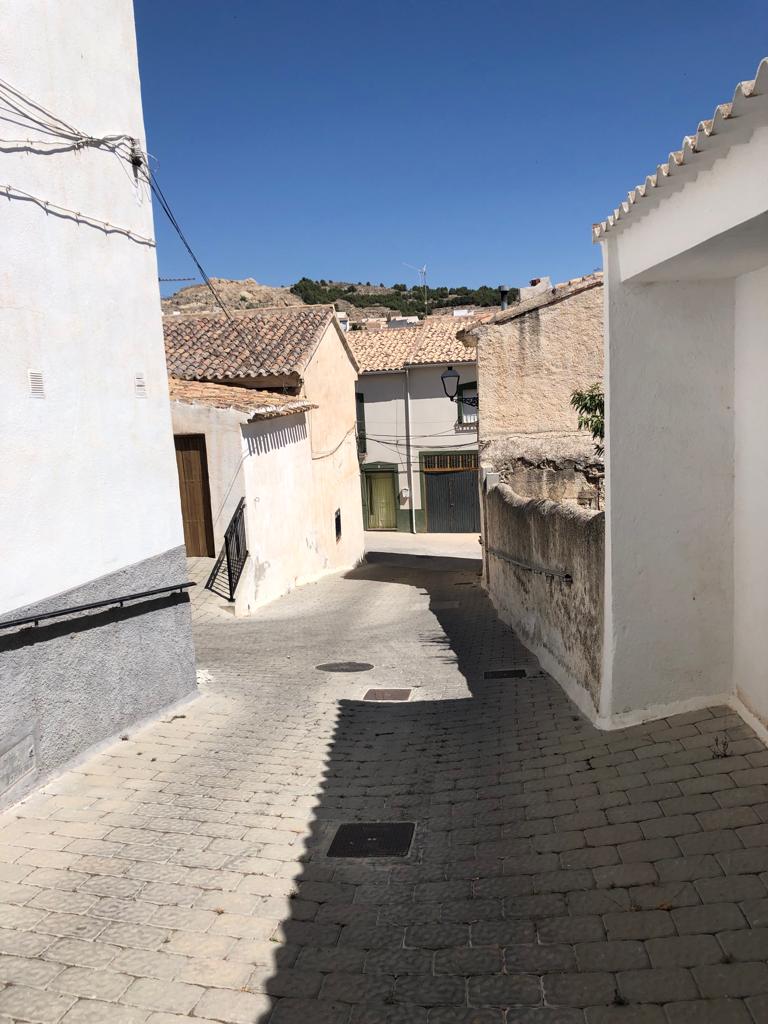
(504, 295)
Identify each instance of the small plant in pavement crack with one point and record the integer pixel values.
(720, 746)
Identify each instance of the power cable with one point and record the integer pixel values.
(157, 192)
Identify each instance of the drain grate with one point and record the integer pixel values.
(505, 673)
(387, 695)
(345, 666)
(373, 839)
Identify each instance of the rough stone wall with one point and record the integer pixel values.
(559, 616)
(529, 366)
(559, 467)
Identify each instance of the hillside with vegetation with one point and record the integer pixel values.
(409, 301)
(359, 300)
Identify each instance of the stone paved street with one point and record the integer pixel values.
(559, 875)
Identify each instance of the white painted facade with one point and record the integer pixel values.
(88, 476)
(295, 472)
(687, 483)
(407, 413)
(89, 500)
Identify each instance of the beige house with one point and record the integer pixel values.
(263, 410)
(418, 450)
(530, 358)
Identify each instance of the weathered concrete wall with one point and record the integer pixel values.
(77, 681)
(560, 619)
(529, 366)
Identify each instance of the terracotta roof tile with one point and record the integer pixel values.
(257, 343)
(434, 340)
(257, 405)
(711, 135)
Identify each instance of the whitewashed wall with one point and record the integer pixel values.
(751, 493)
(687, 361)
(88, 477)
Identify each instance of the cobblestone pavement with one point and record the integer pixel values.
(559, 875)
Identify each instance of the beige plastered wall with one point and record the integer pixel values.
(329, 383)
(528, 367)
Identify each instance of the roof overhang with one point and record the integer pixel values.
(731, 124)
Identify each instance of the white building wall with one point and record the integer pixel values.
(385, 420)
(751, 494)
(434, 420)
(88, 471)
(224, 451)
(89, 500)
(285, 545)
(670, 443)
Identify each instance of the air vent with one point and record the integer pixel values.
(140, 385)
(36, 384)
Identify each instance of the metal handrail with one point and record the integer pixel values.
(235, 551)
(94, 604)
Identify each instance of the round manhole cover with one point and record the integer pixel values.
(345, 666)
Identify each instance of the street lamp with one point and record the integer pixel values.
(450, 379)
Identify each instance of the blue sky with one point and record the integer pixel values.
(340, 140)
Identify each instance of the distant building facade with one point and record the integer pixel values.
(418, 450)
(89, 503)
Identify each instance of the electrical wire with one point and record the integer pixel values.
(157, 192)
(11, 192)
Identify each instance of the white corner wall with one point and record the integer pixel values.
(88, 477)
(669, 567)
(750, 661)
(284, 546)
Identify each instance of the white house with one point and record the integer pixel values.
(263, 409)
(89, 504)
(418, 449)
(686, 262)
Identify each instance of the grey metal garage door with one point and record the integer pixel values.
(452, 500)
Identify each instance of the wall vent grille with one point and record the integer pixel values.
(36, 384)
(140, 385)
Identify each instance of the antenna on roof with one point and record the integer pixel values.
(422, 272)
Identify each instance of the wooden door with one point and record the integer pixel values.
(382, 509)
(192, 464)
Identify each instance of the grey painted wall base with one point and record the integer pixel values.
(67, 685)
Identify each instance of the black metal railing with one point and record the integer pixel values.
(232, 555)
(106, 603)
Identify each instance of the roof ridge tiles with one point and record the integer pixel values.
(692, 145)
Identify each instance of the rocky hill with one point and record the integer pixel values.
(247, 294)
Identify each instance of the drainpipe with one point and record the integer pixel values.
(409, 461)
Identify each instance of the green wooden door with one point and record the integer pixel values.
(382, 511)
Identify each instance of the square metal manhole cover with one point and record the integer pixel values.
(505, 673)
(387, 695)
(373, 839)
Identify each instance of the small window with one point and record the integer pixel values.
(361, 439)
(467, 413)
(337, 521)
